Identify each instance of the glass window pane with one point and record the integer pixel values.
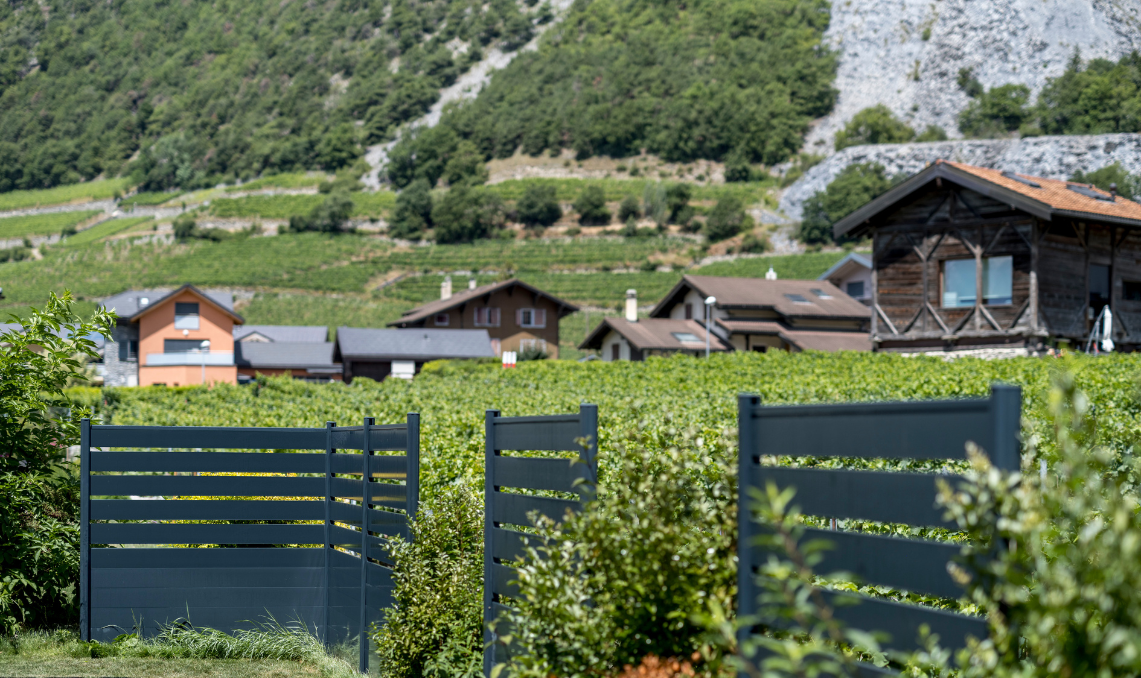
(958, 283)
(997, 275)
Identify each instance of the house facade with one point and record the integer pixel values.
(973, 260)
(171, 337)
(853, 275)
(746, 314)
(298, 351)
(378, 354)
(515, 315)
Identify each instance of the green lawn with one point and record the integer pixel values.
(89, 190)
(42, 224)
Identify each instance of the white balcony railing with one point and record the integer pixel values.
(213, 359)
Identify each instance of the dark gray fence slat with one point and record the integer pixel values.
(388, 467)
(908, 564)
(237, 438)
(207, 486)
(902, 622)
(513, 508)
(344, 513)
(391, 438)
(127, 509)
(209, 462)
(907, 430)
(347, 438)
(207, 596)
(150, 533)
(880, 496)
(143, 558)
(346, 538)
(388, 494)
(201, 577)
(507, 545)
(345, 462)
(557, 433)
(346, 488)
(556, 475)
(503, 579)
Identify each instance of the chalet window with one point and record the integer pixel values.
(959, 282)
(185, 316)
(1098, 288)
(129, 350)
(855, 289)
(689, 311)
(185, 346)
(1131, 290)
(531, 317)
(487, 317)
(441, 320)
(615, 352)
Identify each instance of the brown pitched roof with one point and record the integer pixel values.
(1044, 198)
(196, 292)
(805, 340)
(655, 333)
(790, 298)
(463, 296)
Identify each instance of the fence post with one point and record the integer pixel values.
(746, 446)
(366, 497)
(588, 421)
(412, 479)
(85, 529)
(329, 426)
(1006, 409)
(488, 526)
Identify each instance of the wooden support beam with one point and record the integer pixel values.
(938, 319)
(886, 320)
(1020, 313)
(990, 318)
(994, 240)
(1034, 260)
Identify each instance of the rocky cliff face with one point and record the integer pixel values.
(906, 54)
(1050, 157)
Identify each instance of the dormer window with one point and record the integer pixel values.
(185, 316)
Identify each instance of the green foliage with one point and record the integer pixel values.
(106, 229)
(682, 81)
(623, 579)
(150, 199)
(875, 125)
(38, 497)
(655, 203)
(539, 205)
(629, 209)
(997, 112)
(371, 205)
(727, 219)
(969, 84)
(851, 189)
(465, 214)
(100, 189)
(591, 207)
(1103, 97)
(567, 190)
(434, 627)
(738, 168)
(15, 254)
(754, 245)
(436, 153)
(932, 133)
(677, 201)
(285, 180)
(43, 224)
(1128, 185)
(223, 91)
(413, 211)
(331, 216)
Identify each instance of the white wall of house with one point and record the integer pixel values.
(611, 340)
(697, 305)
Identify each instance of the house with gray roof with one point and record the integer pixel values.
(378, 353)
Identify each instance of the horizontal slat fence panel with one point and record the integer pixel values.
(555, 475)
(907, 430)
(207, 462)
(337, 594)
(557, 433)
(879, 496)
(207, 486)
(185, 437)
(190, 509)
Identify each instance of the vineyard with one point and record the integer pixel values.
(42, 224)
(91, 190)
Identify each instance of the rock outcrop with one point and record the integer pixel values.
(1050, 157)
(906, 54)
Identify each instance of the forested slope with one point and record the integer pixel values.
(224, 90)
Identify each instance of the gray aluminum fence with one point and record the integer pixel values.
(901, 430)
(556, 433)
(141, 488)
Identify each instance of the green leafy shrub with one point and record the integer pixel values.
(752, 244)
(969, 84)
(677, 200)
(851, 189)
(997, 112)
(331, 216)
(932, 133)
(39, 535)
(413, 212)
(737, 166)
(539, 205)
(435, 627)
(15, 254)
(727, 219)
(629, 209)
(656, 204)
(591, 207)
(1099, 98)
(875, 125)
(1128, 185)
(623, 579)
(466, 214)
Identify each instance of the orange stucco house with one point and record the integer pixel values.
(182, 337)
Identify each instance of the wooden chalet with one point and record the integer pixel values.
(968, 259)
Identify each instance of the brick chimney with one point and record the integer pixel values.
(446, 288)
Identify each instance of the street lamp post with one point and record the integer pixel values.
(709, 301)
(204, 348)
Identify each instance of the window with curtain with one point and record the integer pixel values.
(959, 289)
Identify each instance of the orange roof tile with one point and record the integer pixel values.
(1056, 194)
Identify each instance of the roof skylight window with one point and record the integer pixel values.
(685, 337)
(1089, 192)
(797, 298)
(1020, 179)
(821, 293)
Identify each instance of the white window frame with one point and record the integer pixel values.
(487, 316)
(538, 317)
(187, 321)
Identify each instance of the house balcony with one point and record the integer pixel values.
(212, 359)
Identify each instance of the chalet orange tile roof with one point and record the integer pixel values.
(1055, 193)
